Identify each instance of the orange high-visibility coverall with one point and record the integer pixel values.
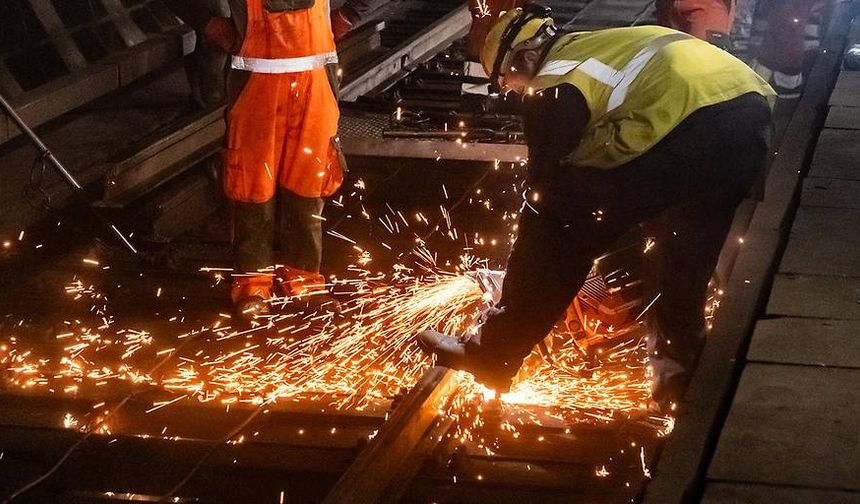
(783, 46)
(282, 128)
(699, 18)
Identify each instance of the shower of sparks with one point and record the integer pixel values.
(355, 360)
(359, 360)
(645, 471)
(364, 356)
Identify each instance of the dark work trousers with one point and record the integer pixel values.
(287, 222)
(695, 177)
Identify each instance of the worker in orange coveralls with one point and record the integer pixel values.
(282, 154)
(779, 57)
(709, 20)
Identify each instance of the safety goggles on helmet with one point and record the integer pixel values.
(505, 52)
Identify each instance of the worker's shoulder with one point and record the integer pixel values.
(640, 31)
(628, 36)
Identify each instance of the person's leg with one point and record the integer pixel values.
(309, 168)
(682, 263)
(299, 237)
(253, 236)
(689, 243)
(309, 163)
(250, 184)
(779, 58)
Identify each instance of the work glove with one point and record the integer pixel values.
(341, 24)
(221, 33)
(490, 282)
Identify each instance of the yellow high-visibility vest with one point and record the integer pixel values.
(639, 83)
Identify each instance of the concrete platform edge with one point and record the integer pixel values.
(682, 465)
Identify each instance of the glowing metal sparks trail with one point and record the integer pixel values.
(363, 358)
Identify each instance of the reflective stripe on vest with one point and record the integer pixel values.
(285, 65)
(590, 67)
(618, 80)
(632, 69)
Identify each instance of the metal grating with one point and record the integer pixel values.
(362, 125)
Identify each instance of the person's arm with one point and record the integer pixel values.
(352, 14)
(359, 9)
(220, 31)
(194, 13)
(239, 16)
(554, 124)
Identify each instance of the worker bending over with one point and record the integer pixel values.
(621, 124)
(282, 155)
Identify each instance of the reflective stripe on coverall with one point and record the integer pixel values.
(779, 58)
(282, 128)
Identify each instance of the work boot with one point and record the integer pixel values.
(467, 356)
(319, 301)
(250, 295)
(250, 308)
(304, 294)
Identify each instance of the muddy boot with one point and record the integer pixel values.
(304, 294)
